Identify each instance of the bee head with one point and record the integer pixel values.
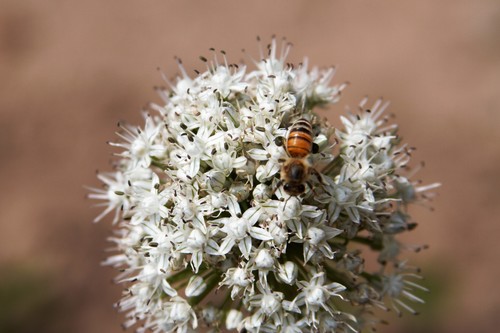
(294, 189)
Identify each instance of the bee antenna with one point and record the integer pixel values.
(280, 182)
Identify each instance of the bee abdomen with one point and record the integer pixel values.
(299, 142)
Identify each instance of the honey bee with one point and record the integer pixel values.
(296, 169)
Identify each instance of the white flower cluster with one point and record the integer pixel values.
(206, 237)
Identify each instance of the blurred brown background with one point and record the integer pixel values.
(69, 70)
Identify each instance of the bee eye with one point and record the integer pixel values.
(315, 148)
(286, 187)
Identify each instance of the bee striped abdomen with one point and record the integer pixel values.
(299, 142)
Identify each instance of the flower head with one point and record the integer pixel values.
(200, 205)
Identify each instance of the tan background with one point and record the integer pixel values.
(69, 70)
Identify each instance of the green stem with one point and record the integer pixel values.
(158, 164)
(184, 274)
(339, 277)
(244, 205)
(302, 273)
(227, 301)
(371, 242)
(370, 277)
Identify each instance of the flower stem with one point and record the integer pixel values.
(336, 276)
(371, 242)
(182, 275)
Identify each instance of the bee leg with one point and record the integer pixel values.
(320, 180)
(312, 188)
(286, 201)
(318, 175)
(280, 182)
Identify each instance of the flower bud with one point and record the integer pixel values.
(216, 180)
(240, 191)
(288, 272)
(179, 312)
(261, 192)
(196, 239)
(233, 319)
(315, 235)
(196, 286)
(264, 260)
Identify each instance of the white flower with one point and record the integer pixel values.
(200, 209)
(267, 306)
(180, 315)
(399, 287)
(115, 194)
(197, 244)
(241, 230)
(315, 295)
(233, 319)
(288, 272)
(225, 81)
(314, 86)
(317, 240)
(211, 315)
(239, 278)
(195, 286)
(142, 144)
(149, 202)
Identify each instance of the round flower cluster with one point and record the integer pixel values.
(206, 237)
